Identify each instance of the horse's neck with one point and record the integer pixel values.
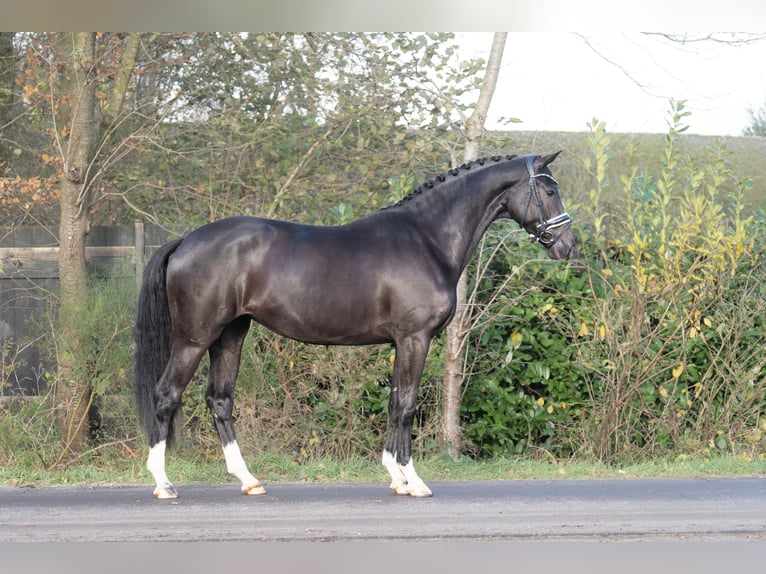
(457, 220)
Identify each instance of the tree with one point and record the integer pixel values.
(79, 138)
(259, 118)
(459, 326)
(757, 125)
(76, 135)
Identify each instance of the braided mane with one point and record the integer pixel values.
(455, 172)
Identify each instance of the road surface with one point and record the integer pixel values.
(564, 510)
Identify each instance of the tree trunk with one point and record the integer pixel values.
(457, 330)
(76, 133)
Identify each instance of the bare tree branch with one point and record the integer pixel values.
(727, 38)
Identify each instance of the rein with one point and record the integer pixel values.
(542, 232)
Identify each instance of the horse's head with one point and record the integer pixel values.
(540, 211)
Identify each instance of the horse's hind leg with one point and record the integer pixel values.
(181, 366)
(224, 367)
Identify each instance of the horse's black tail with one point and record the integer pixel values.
(152, 335)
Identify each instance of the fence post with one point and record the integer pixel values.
(139, 254)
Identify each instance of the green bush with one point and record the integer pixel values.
(525, 385)
(652, 345)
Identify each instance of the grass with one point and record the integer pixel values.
(275, 468)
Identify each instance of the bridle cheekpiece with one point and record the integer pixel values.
(543, 232)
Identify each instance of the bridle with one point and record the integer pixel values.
(543, 232)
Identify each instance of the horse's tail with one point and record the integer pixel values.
(152, 335)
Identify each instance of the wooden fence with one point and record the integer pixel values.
(29, 275)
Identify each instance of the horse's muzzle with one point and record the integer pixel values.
(564, 248)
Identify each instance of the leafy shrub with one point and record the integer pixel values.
(652, 345)
(672, 315)
(524, 384)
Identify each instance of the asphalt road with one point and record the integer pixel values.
(717, 509)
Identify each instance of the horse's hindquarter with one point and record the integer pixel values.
(359, 284)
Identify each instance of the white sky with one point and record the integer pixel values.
(557, 82)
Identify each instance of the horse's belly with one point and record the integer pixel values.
(332, 321)
(340, 329)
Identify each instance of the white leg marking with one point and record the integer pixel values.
(236, 465)
(156, 465)
(415, 485)
(398, 482)
(404, 479)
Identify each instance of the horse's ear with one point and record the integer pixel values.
(545, 160)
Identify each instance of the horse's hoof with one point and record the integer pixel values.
(399, 487)
(421, 492)
(254, 489)
(165, 491)
(417, 490)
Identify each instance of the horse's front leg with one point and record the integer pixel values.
(397, 454)
(224, 367)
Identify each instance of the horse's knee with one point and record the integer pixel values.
(402, 405)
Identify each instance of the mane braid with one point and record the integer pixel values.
(455, 172)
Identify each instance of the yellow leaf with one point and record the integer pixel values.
(583, 330)
(678, 370)
(540, 401)
(602, 332)
(516, 338)
(663, 392)
(708, 321)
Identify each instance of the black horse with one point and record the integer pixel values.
(389, 277)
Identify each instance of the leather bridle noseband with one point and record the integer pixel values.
(543, 232)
